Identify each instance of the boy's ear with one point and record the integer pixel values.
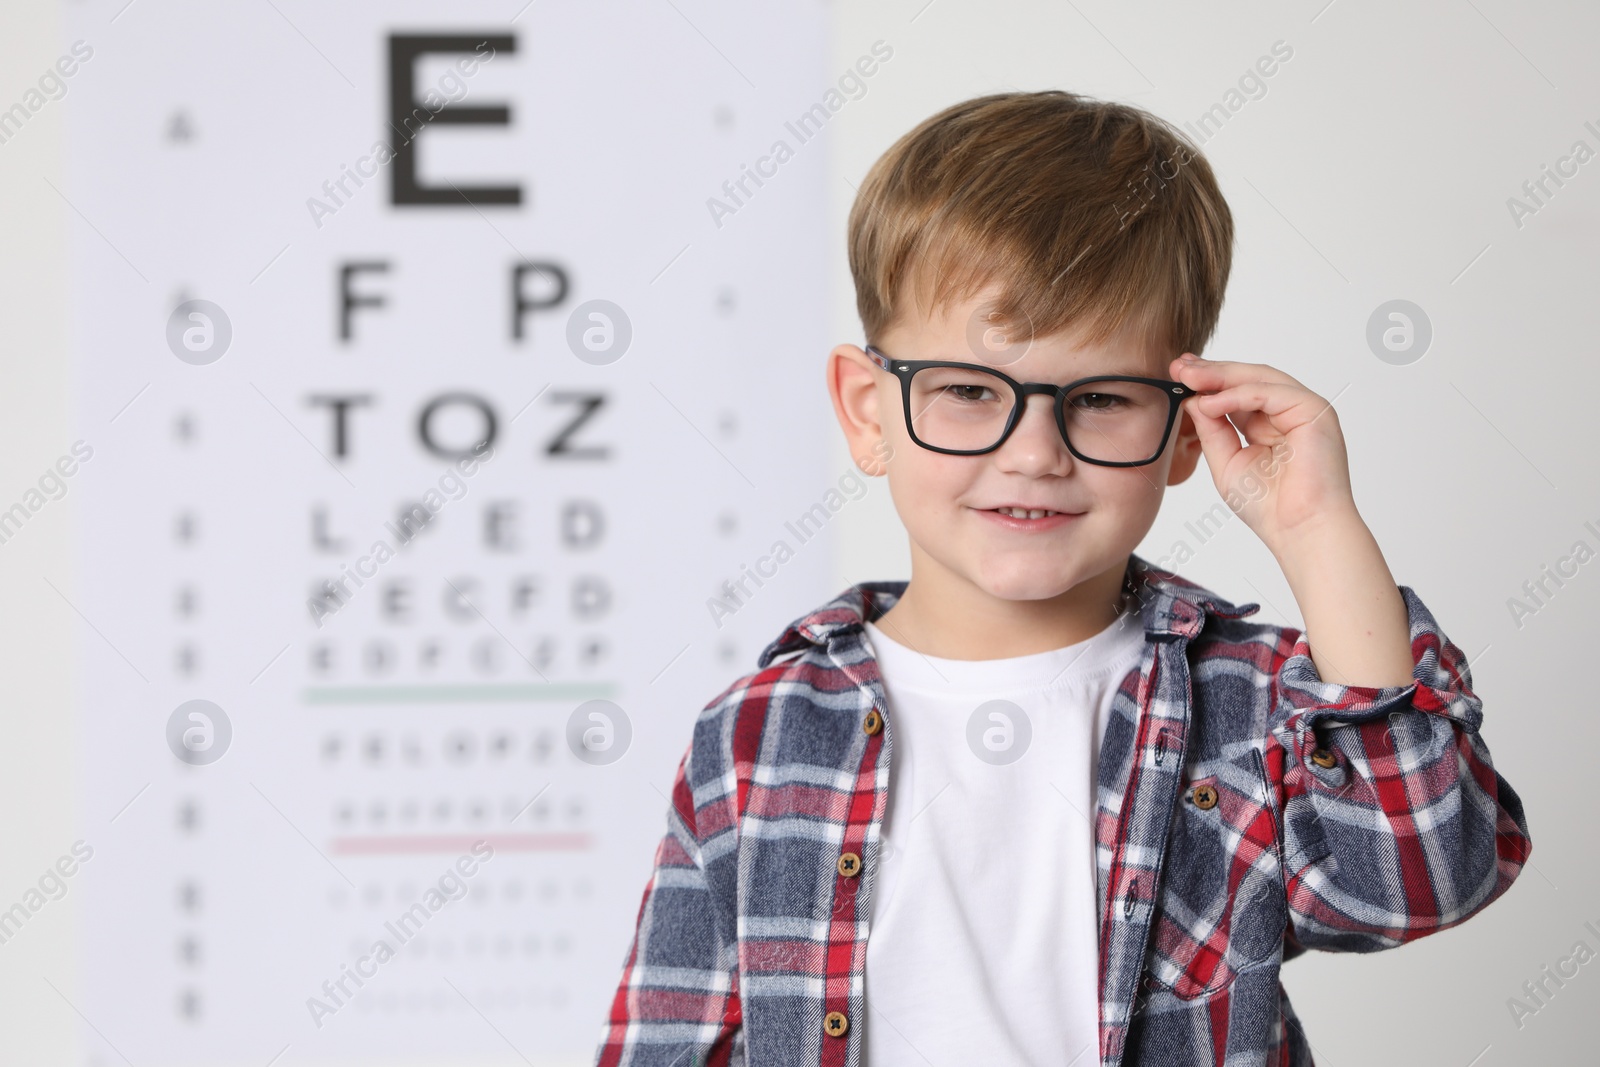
(1186, 452)
(853, 385)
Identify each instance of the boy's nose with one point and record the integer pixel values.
(1035, 442)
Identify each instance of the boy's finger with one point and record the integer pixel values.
(1209, 374)
(1219, 440)
(1270, 397)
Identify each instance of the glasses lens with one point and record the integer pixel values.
(1118, 422)
(958, 408)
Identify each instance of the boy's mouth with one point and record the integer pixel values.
(1020, 518)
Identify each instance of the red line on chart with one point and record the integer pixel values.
(415, 843)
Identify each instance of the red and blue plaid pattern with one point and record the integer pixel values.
(1247, 811)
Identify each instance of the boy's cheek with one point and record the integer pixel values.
(925, 505)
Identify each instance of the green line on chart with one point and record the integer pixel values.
(456, 694)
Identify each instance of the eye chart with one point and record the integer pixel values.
(447, 375)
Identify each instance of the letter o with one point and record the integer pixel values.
(425, 423)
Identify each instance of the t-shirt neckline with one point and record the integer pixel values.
(1082, 661)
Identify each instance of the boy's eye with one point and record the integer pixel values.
(973, 393)
(958, 387)
(1097, 401)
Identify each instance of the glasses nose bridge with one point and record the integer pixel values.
(1025, 390)
(1030, 389)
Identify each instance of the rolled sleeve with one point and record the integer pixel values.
(1393, 821)
(1443, 684)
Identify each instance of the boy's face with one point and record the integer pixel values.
(959, 545)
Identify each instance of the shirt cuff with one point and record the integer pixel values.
(1443, 684)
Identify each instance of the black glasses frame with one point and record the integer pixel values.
(903, 369)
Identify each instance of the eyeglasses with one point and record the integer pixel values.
(966, 409)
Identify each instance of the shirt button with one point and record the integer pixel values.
(835, 1024)
(849, 864)
(873, 722)
(1204, 797)
(1323, 758)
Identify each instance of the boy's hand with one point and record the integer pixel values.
(1301, 507)
(1279, 499)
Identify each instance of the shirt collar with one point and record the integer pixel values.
(1170, 606)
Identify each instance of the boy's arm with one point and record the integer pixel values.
(677, 1003)
(1392, 820)
(1289, 480)
(1355, 618)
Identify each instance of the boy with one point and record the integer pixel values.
(1113, 807)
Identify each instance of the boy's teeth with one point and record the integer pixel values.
(1020, 513)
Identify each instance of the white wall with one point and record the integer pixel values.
(38, 752)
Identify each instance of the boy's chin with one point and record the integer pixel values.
(1027, 585)
(1038, 578)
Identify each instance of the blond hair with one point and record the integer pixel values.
(1089, 216)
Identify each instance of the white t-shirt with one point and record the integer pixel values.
(983, 939)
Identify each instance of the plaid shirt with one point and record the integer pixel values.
(1247, 811)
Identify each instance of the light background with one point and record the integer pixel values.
(1377, 166)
